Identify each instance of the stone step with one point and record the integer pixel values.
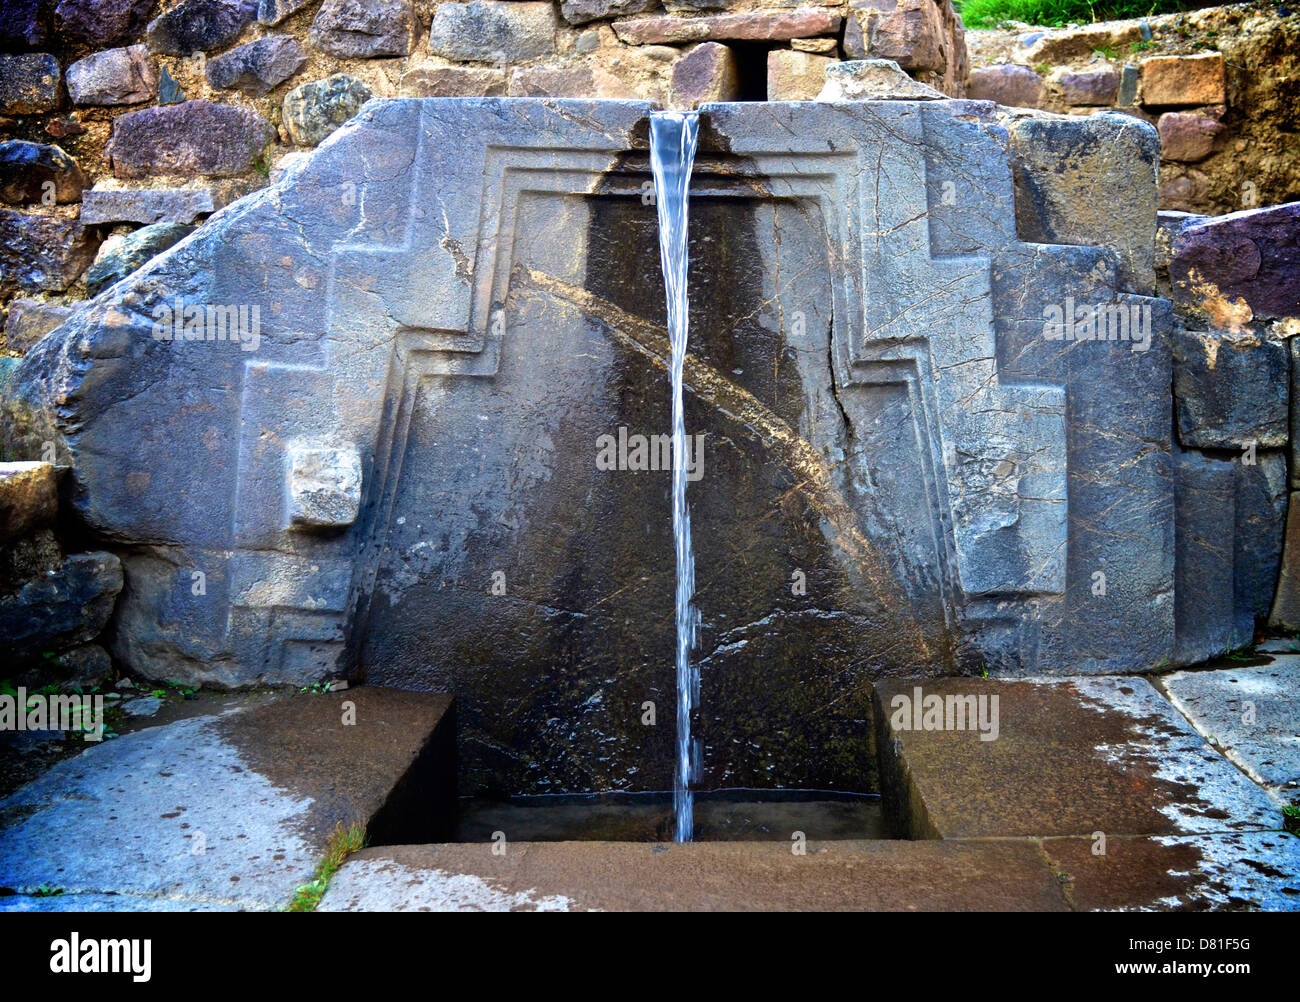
(228, 810)
(1243, 870)
(1071, 756)
(698, 876)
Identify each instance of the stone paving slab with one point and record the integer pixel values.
(1242, 870)
(228, 810)
(1262, 739)
(1071, 757)
(699, 876)
(111, 903)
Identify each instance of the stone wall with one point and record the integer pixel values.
(1221, 85)
(117, 115)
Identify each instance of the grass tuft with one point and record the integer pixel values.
(340, 846)
(1058, 13)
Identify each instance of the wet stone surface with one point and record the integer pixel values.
(553, 673)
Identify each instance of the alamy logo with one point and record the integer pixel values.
(1099, 322)
(75, 955)
(648, 453)
(952, 712)
(240, 325)
(39, 712)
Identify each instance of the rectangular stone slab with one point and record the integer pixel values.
(1072, 757)
(229, 810)
(697, 876)
(1267, 745)
(1240, 870)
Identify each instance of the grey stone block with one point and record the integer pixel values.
(493, 31)
(257, 67)
(116, 76)
(1258, 535)
(147, 205)
(195, 138)
(1204, 587)
(1232, 390)
(324, 487)
(1079, 184)
(365, 29)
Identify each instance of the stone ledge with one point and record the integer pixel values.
(1071, 757)
(698, 876)
(263, 786)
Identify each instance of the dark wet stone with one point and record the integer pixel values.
(189, 139)
(364, 29)
(41, 253)
(132, 252)
(102, 23)
(85, 668)
(1259, 531)
(313, 110)
(37, 172)
(200, 26)
(29, 84)
(1205, 493)
(1231, 390)
(257, 67)
(23, 26)
(62, 610)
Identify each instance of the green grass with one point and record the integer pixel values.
(1057, 13)
(341, 844)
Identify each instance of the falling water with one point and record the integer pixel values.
(673, 135)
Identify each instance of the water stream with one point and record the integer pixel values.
(673, 136)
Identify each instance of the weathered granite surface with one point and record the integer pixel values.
(1252, 712)
(905, 466)
(230, 809)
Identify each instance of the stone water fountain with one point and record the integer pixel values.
(904, 472)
